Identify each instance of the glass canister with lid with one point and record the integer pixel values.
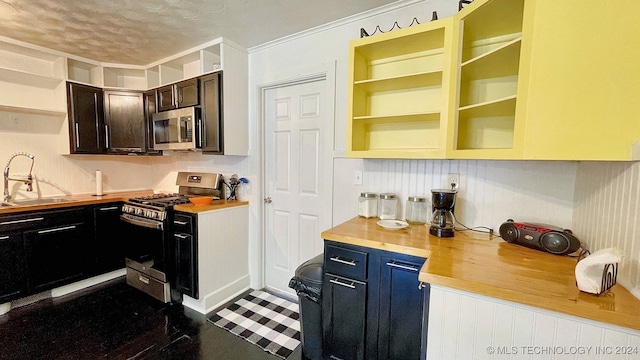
(368, 205)
(416, 210)
(388, 206)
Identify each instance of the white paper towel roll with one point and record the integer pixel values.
(99, 183)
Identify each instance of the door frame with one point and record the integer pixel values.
(295, 76)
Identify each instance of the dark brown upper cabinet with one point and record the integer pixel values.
(86, 119)
(178, 95)
(125, 124)
(210, 102)
(150, 108)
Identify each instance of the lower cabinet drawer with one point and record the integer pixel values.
(156, 288)
(345, 262)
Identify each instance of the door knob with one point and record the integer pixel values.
(267, 200)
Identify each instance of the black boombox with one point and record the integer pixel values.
(540, 237)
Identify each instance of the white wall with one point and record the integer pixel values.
(607, 209)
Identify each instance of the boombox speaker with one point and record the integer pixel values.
(540, 237)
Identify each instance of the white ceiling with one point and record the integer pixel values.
(143, 31)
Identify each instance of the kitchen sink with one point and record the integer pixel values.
(41, 201)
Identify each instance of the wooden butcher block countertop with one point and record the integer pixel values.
(78, 200)
(215, 205)
(487, 265)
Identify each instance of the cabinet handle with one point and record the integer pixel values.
(180, 236)
(4, 237)
(334, 358)
(106, 136)
(403, 266)
(77, 135)
(346, 262)
(338, 282)
(179, 222)
(109, 208)
(143, 279)
(200, 133)
(57, 229)
(21, 221)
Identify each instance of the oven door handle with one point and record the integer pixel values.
(158, 225)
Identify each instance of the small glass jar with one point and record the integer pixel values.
(416, 210)
(368, 205)
(388, 207)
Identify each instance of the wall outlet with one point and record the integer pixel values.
(453, 181)
(357, 177)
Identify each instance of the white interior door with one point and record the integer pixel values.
(298, 143)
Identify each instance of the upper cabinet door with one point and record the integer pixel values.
(150, 108)
(398, 92)
(211, 113)
(486, 120)
(125, 122)
(187, 93)
(166, 100)
(86, 119)
(179, 95)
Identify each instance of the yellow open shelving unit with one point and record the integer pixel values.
(501, 79)
(398, 88)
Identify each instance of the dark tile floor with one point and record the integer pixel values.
(115, 321)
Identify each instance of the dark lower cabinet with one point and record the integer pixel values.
(382, 314)
(186, 248)
(344, 317)
(55, 256)
(400, 319)
(12, 270)
(109, 246)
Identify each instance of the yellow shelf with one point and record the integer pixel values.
(430, 78)
(500, 107)
(499, 62)
(399, 118)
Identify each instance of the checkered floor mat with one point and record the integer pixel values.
(265, 320)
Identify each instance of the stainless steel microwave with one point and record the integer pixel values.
(177, 129)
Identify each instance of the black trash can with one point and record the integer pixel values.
(307, 282)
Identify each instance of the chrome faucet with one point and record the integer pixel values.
(28, 181)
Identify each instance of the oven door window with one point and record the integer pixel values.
(165, 131)
(143, 244)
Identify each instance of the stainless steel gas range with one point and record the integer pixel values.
(150, 253)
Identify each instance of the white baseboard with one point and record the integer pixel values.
(83, 284)
(211, 301)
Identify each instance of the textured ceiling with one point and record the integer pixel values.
(143, 31)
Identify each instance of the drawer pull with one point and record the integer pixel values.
(4, 237)
(338, 282)
(341, 261)
(21, 221)
(57, 229)
(109, 208)
(179, 222)
(403, 266)
(143, 279)
(180, 236)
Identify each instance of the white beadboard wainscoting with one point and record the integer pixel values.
(490, 192)
(607, 213)
(473, 327)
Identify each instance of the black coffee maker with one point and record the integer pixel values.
(443, 202)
